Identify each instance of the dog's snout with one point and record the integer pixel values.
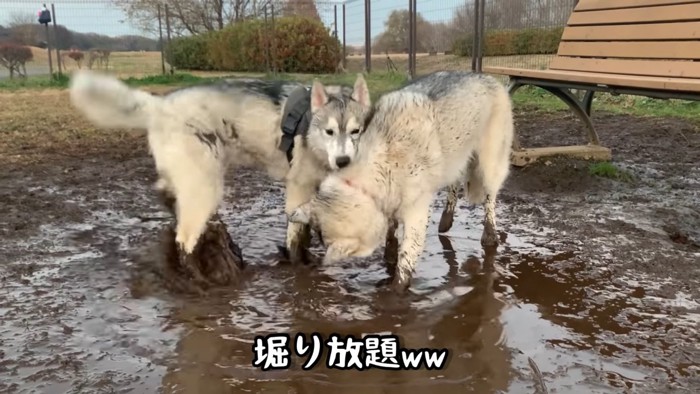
(342, 161)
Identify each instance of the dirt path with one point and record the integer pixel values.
(597, 283)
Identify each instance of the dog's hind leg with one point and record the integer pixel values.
(448, 213)
(166, 195)
(491, 170)
(199, 189)
(194, 209)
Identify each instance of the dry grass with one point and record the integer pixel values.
(36, 123)
(140, 64)
(426, 64)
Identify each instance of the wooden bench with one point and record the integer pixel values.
(637, 47)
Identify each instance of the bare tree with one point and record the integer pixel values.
(24, 28)
(190, 16)
(14, 58)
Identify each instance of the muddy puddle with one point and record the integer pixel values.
(594, 289)
(80, 314)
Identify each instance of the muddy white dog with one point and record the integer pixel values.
(196, 133)
(417, 140)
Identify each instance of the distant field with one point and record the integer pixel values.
(139, 64)
(124, 64)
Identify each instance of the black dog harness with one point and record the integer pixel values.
(296, 118)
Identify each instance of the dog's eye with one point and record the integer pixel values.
(355, 132)
(329, 131)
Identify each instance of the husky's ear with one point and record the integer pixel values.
(301, 215)
(360, 92)
(319, 98)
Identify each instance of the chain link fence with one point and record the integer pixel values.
(415, 37)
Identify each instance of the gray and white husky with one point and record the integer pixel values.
(417, 140)
(196, 133)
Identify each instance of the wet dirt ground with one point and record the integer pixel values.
(595, 288)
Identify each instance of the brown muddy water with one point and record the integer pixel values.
(594, 290)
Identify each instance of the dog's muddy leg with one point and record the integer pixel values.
(489, 236)
(391, 253)
(391, 249)
(448, 213)
(415, 222)
(299, 190)
(298, 242)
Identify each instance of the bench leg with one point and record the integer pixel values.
(514, 85)
(581, 107)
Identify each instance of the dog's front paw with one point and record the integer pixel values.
(446, 221)
(401, 283)
(489, 239)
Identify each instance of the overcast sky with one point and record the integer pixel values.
(98, 16)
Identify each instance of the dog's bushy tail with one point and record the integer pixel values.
(110, 103)
(490, 164)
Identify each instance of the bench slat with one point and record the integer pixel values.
(646, 31)
(653, 68)
(632, 49)
(680, 12)
(653, 83)
(590, 5)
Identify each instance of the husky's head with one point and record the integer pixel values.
(337, 119)
(347, 216)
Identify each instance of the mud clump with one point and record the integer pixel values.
(216, 261)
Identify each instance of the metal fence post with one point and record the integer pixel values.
(368, 37)
(58, 44)
(160, 40)
(482, 35)
(335, 21)
(475, 37)
(414, 37)
(345, 56)
(167, 31)
(273, 41)
(411, 49)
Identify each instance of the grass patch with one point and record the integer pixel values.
(528, 97)
(606, 169)
(537, 99)
(378, 83)
(62, 81)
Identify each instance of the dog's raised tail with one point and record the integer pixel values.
(108, 102)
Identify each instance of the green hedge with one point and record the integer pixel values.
(189, 53)
(513, 42)
(297, 44)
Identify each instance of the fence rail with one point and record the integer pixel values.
(131, 37)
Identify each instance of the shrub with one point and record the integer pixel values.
(513, 42)
(15, 57)
(295, 44)
(305, 45)
(190, 53)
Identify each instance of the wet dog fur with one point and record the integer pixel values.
(443, 128)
